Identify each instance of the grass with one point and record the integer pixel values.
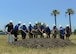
(6, 48)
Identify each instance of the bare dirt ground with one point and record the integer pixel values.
(43, 43)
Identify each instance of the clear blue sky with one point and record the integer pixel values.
(36, 10)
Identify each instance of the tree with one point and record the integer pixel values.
(69, 12)
(54, 13)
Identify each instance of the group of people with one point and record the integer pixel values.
(62, 32)
(33, 31)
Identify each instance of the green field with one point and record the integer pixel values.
(6, 48)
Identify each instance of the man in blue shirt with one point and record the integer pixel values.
(23, 31)
(62, 32)
(16, 28)
(48, 31)
(41, 30)
(30, 30)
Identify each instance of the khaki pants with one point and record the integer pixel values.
(10, 38)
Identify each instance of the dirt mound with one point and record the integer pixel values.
(43, 43)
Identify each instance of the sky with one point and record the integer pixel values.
(36, 10)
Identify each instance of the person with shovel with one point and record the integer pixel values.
(23, 31)
(9, 32)
(16, 28)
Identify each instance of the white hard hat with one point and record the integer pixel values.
(36, 22)
(54, 25)
(29, 22)
(41, 23)
(19, 22)
(60, 25)
(11, 21)
(67, 25)
(47, 25)
(24, 24)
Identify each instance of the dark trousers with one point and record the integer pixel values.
(54, 35)
(35, 35)
(48, 35)
(67, 36)
(15, 35)
(62, 37)
(23, 35)
(41, 35)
